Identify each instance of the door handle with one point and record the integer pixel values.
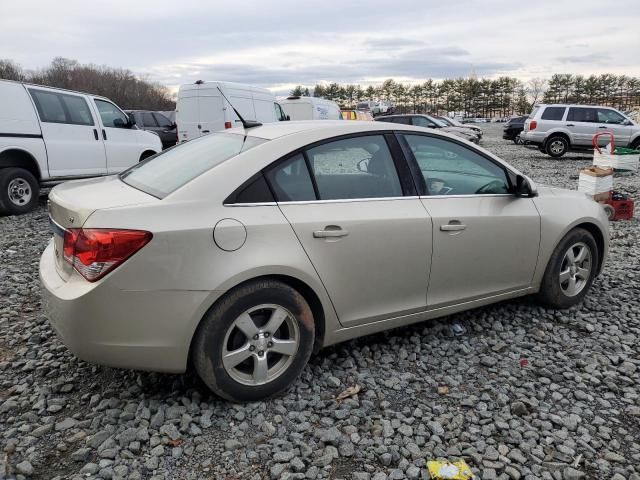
(452, 227)
(570, 125)
(330, 233)
(95, 133)
(104, 134)
(205, 131)
(602, 126)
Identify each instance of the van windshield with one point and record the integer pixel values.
(165, 172)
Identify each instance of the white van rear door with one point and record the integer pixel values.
(211, 107)
(71, 134)
(188, 114)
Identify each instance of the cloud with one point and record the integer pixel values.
(590, 58)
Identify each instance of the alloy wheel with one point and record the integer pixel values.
(556, 147)
(19, 191)
(575, 269)
(260, 344)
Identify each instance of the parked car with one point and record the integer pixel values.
(513, 128)
(558, 129)
(363, 115)
(452, 122)
(244, 251)
(202, 107)
(427, 121)
(157, 123)
(49, 135)
(310, 108)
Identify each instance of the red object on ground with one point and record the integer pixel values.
(623, 208)
(524, 362)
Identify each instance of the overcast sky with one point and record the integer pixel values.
(282, 43)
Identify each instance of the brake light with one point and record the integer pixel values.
(228, 125)
(94, 252)
(533, 125)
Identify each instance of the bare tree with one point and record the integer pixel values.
(535, 89)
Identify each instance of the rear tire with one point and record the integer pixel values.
(556, 146)
(254, 342)
(570, 271)
(636, 144)
(19, 191)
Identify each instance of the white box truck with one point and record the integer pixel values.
(310, 108)
(203, 107)
(49, 135)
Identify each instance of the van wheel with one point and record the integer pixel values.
(570, 271)
(556, 146)
(146, 155)
(254, 342)
(19, 191)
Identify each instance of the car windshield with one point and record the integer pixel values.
(440, 123)
(164, 173)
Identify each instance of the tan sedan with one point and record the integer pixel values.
(242, 252)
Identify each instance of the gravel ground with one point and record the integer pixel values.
(525, 392)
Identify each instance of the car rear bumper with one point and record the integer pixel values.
(533, 137)
(99, 323)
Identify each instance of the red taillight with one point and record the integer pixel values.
(228, 125)
(533, 125)
(94, 252)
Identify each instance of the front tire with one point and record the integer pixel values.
(19, 191)
(557, 146)
(570, 271)
(254, 342)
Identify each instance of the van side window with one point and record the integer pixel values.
(54, 107)
(111, 115)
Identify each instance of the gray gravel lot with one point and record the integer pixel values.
(525, 393)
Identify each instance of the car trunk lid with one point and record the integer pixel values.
(72, 203)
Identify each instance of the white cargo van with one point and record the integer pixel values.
(202, 108)
(310, 108)
(48, 135)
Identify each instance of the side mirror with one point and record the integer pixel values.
(524, 188)
(119, 123)
(287, 118)
(627, 122)
(130, 123)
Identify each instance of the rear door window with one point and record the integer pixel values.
(423, 122)
(402, 120)
(162, 120)
(148, 120)
(360, 167)
(553, 113)
(582, 114)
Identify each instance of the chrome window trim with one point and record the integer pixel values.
(373, 199)
(478, 195)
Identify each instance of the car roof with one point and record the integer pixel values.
(271, 131)
(570, 105)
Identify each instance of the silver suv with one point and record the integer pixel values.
(557, 129)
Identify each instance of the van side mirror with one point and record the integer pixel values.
(524, 188)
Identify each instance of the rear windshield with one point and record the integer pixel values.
(164, 173)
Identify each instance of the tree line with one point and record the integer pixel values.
(500, 97)
(117, 84)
